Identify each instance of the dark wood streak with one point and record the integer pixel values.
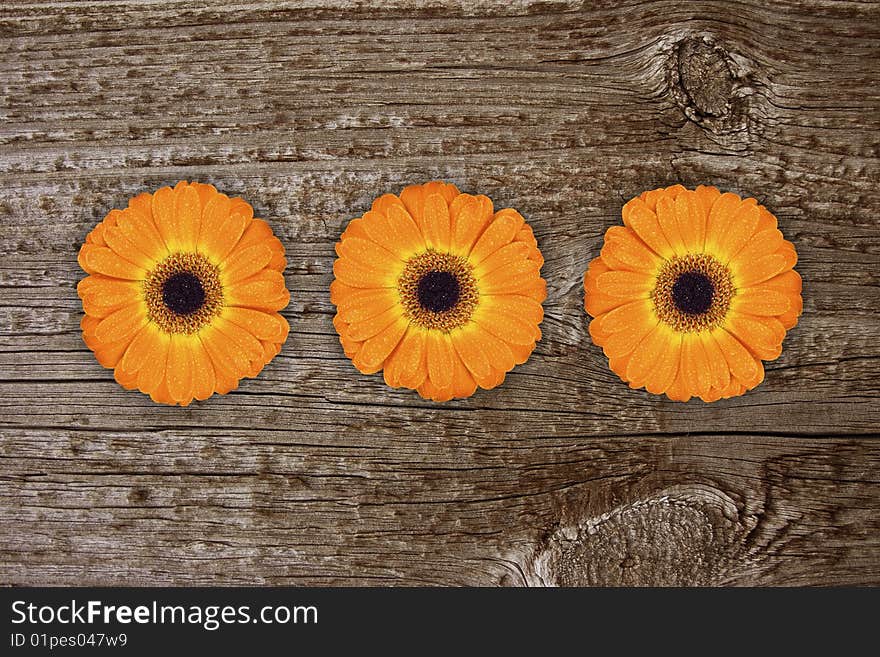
(314, 474)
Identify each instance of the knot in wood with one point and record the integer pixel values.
(704, 82)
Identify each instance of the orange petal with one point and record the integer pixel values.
(142, 348)
(467, 346)
(413, 198)
(187, 220)
(179, 368)
(501, 231)
(226, 362)
(372, 354)
(696, 371)
(719, 370)
(163, 207)
(352, 273)
(506, 256)
(762, 269)
(740, 232)
(102, 260)
(761, 301)
(763, 243)
(654, 362)
(691, 217)
(203, 377)
(436, 223)
(741, 363)
(152, 372)
(625, 340)
(369, 255)
(264, 291)
(625, 284)
(366, 328)
(364, 303)
(463, 384)
(441, 357)
(721, 217)
(623, 318)
(507, 280)
(669, 224)
(214, 215)
(244, 263)
(761, 335)
(141, 231)
(240, 344)
(219, 243)
(121, 324)
(514, 305)
(395, 232)
(623, 250)
(407, 366)
(596, 302)
(470, 217)
(263, 326)
(509, 328)
(679, 390)
(641, 220)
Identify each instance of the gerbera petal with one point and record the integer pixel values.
(413, 198)
(669, 224)
(762, 301)
(514, 305)
(101, 295)
(642, 220)
(404, 231)
(624, 341)
(436, 223)
(469, 219)
(719, 370)
(655, 360)
(679, 390)
(696, 371)
(691, 217)
(741, 363)
(623, 250)
(739, 232)
(763, 243)
(152, 372)
(375, 350)
(163, 207)
(509, 328)
(227, 363)
(441, 357)
(121, 324)
(501, 231)
(505, 257)
(203, 377)
(721, 217)
(760, 335)
(406, 365)
(240, 343)
(141, 231)
(265, 291)
(789, 282)
(369, 255)
(625, 284)
(179, 367)
(366, 328)
(463, 384)
(187, 219)
(245, 263)
(764, 268)
(634, 313)
(103, 260)
(214, 215)
(356, 275)
(467, 346)
(398, 237)
(263, 326)
(219, 243)
(523, 278)
(595, 301)
(362, 304)
(140, 349)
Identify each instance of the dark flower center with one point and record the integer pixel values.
(438, 291)
(692, 293)
(183, 293)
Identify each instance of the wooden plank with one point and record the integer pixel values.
(314, 474)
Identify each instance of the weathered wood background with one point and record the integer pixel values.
(315, 474)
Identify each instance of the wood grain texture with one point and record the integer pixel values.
(315, 474)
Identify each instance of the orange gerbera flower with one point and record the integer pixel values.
(183, 293)
(438, 290)
(692, 293)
